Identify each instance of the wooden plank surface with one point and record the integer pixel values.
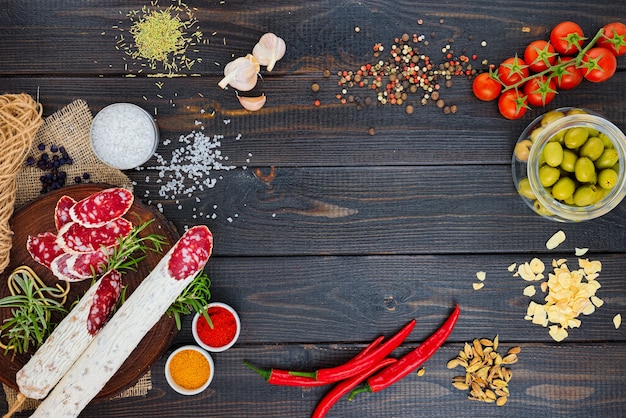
(342, 222)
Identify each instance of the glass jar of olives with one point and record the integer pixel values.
(568, 165)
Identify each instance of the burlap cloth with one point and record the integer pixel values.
(69, 128)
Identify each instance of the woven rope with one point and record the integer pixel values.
(20, 117)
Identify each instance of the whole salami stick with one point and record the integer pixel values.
(125, 330)
(73, 334)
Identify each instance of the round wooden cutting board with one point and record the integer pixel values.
(38, 216)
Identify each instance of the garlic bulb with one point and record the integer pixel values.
(241, 73)
(269, 49)
(252, 103)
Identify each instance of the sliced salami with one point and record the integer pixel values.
(114, 343)
(104, 300)
(191, 252)
(102, 207)
(43, 248)
(62, 211)
(91, 264)
(60, 267)
(76, 238)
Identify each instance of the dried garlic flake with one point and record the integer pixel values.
(481, 275)
(478, 286)
(555, 240)
(581, 251)
(617, 320)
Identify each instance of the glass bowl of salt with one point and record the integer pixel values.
(123, 136)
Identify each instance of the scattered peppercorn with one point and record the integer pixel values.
(315, 87)
(371, 131)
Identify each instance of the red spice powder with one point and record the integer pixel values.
(224, 327)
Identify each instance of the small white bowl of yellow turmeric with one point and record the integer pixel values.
(189, 370)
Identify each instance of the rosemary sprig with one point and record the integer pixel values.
(125, 256)
(29, 323)
(194, 298)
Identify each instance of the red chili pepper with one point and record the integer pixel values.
(281, 377)
(360, 364)
(344, 387)
(411, 361)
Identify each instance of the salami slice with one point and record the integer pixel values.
(62, 211)
(190, 253)
(102, 207)
(60, 267)
(76, 238)
(43, 248)
(88, 265)
(112, 345)
(104, 300)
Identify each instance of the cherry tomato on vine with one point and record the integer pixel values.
(485, 87)
(512, 71)
(539, 55)
(540, 90)
(512, 104)
(567, 38)
(569, 76)
(599, 64)
(614, 38)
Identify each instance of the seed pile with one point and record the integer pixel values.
(486, 376)
(161, 37)
(402, 73)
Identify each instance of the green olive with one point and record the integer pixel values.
(607, 159)
(551, 116)
(606, 140)
(524, 189)
(548, 175)
(576, 137)
(569, 161)
(576, 111)
(592, 148)
(553, 154)
(522, 149)
(584, 170)
(540, 209)
(564, 188)
(607, 178)
(535, 133)
(586, 195)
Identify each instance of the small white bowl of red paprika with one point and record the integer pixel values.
(223, 330)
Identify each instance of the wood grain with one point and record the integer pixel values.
(341, 222)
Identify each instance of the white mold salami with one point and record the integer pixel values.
(125, 330)
(60, 350)
(43, 248)
(78, 239)
(102, 207)
(62, 211)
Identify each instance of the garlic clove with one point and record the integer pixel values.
(252, 103)
(241, 73)
(269, 49)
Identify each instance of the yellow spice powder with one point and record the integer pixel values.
(190, 369)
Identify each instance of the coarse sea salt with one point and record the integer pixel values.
(191, 166)
(124, 135)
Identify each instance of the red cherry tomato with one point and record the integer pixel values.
(539, 55)
(512, 104)
(512, 71)
(485, 87)
(567, 38)
(614, 38)
(599, 64)
(567, 77)
(540, 91)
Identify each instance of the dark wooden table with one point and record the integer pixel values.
(342, 222)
